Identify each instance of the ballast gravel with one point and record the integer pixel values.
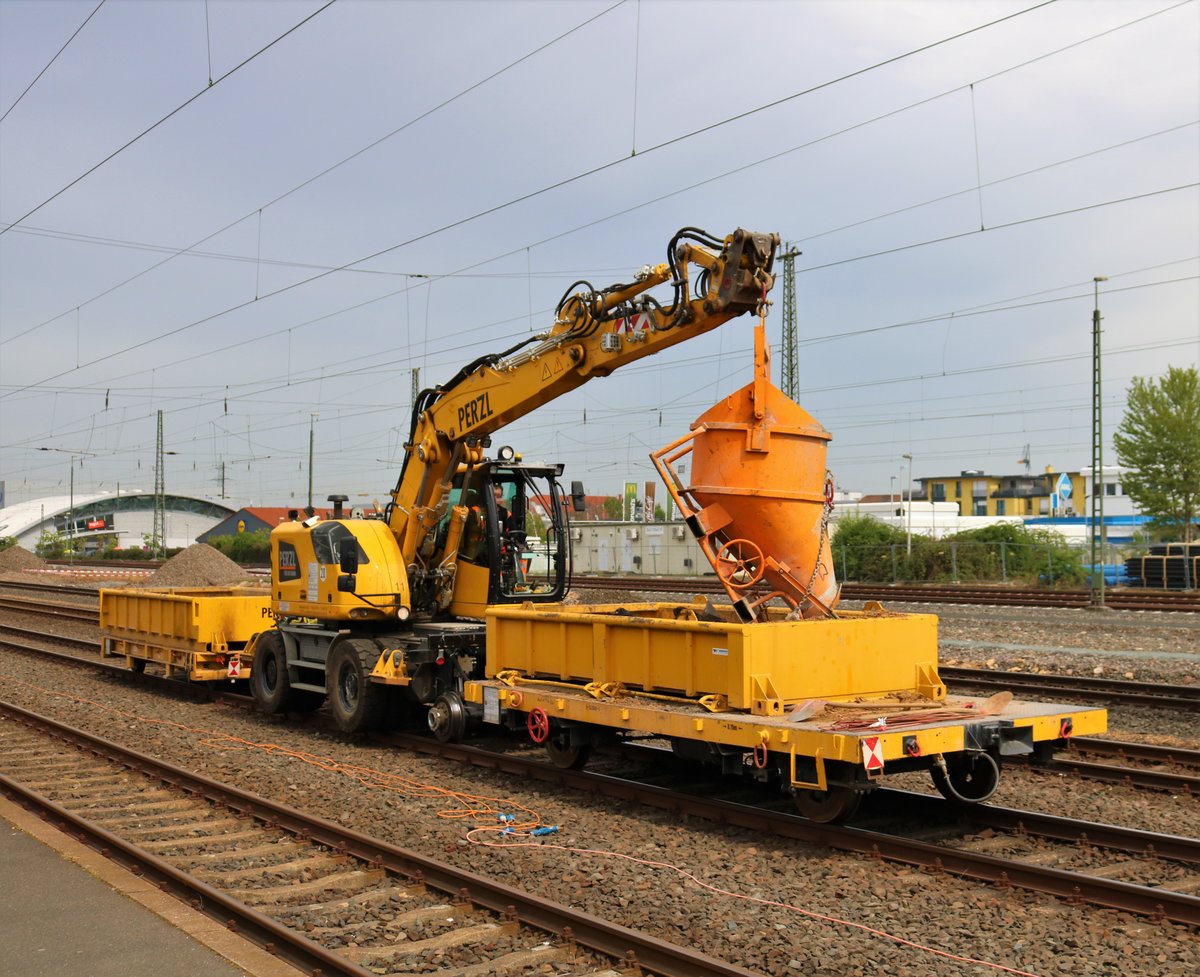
(774, 907)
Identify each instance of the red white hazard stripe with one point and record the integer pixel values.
(634, 323)
(235, 668)
(872, 751)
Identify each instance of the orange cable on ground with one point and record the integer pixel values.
(471, 836)
(488, 809)
(472, 806)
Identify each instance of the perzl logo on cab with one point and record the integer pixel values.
(474, 411)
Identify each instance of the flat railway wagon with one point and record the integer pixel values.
(825, 707)
(196, 635)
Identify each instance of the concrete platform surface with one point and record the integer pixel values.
(66, 911)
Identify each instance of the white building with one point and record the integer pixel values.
(97, 517)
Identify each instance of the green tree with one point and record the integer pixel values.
(7, 541)
(51, 545)
(1158, 443)
(612, 507)
(244, 548)
(862, 548)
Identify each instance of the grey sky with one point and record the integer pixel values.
(919, 332)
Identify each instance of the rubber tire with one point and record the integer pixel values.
(269, 677)
(835, 805)
(358, 704)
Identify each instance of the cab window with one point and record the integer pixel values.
(328, 538)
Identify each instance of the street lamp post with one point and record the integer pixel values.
(908, 511)
(1097, 514)
(71, 524)
(71, 512)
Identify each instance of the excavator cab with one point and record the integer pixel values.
(514, 544)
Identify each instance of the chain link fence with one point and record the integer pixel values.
(952, 561)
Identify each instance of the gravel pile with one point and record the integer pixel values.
(198, 566)
(17, 558)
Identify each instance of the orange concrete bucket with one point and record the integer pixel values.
(759, 496)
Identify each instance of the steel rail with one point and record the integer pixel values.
(39, 587)
(1129, 750)
(27, 634)
(1081, 833)
(1149, 779)
(1167, 600)
(602, 936)
(50, 608)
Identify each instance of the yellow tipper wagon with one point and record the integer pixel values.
(196, 634)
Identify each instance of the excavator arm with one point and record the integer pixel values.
(595, 332)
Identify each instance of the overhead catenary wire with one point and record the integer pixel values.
(38, 77)
(566, 181)
(175, 111)
(190, 249)
(301, 367)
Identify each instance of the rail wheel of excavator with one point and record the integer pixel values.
(447, 718)
(828, 806)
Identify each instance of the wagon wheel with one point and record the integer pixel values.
(828, 806)
(566, 751)
(740, 564)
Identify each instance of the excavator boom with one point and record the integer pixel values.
(594, 333)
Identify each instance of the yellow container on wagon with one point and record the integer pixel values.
(197, 634)
(760, 668)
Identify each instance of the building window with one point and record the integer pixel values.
(981, 507)
(1110, 488)
(958, 489)
(939, 492)
(999, 507)
(979, 488)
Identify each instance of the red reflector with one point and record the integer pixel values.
(441, 661)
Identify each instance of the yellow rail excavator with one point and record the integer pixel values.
(453, 602)
(404, 598)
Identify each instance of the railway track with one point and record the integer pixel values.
(999, 596)
(326, 899)
(1185, 698)
(50, 608)
(1157, 899)
(83, 652)
(1115, 599)
(1045, 850)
